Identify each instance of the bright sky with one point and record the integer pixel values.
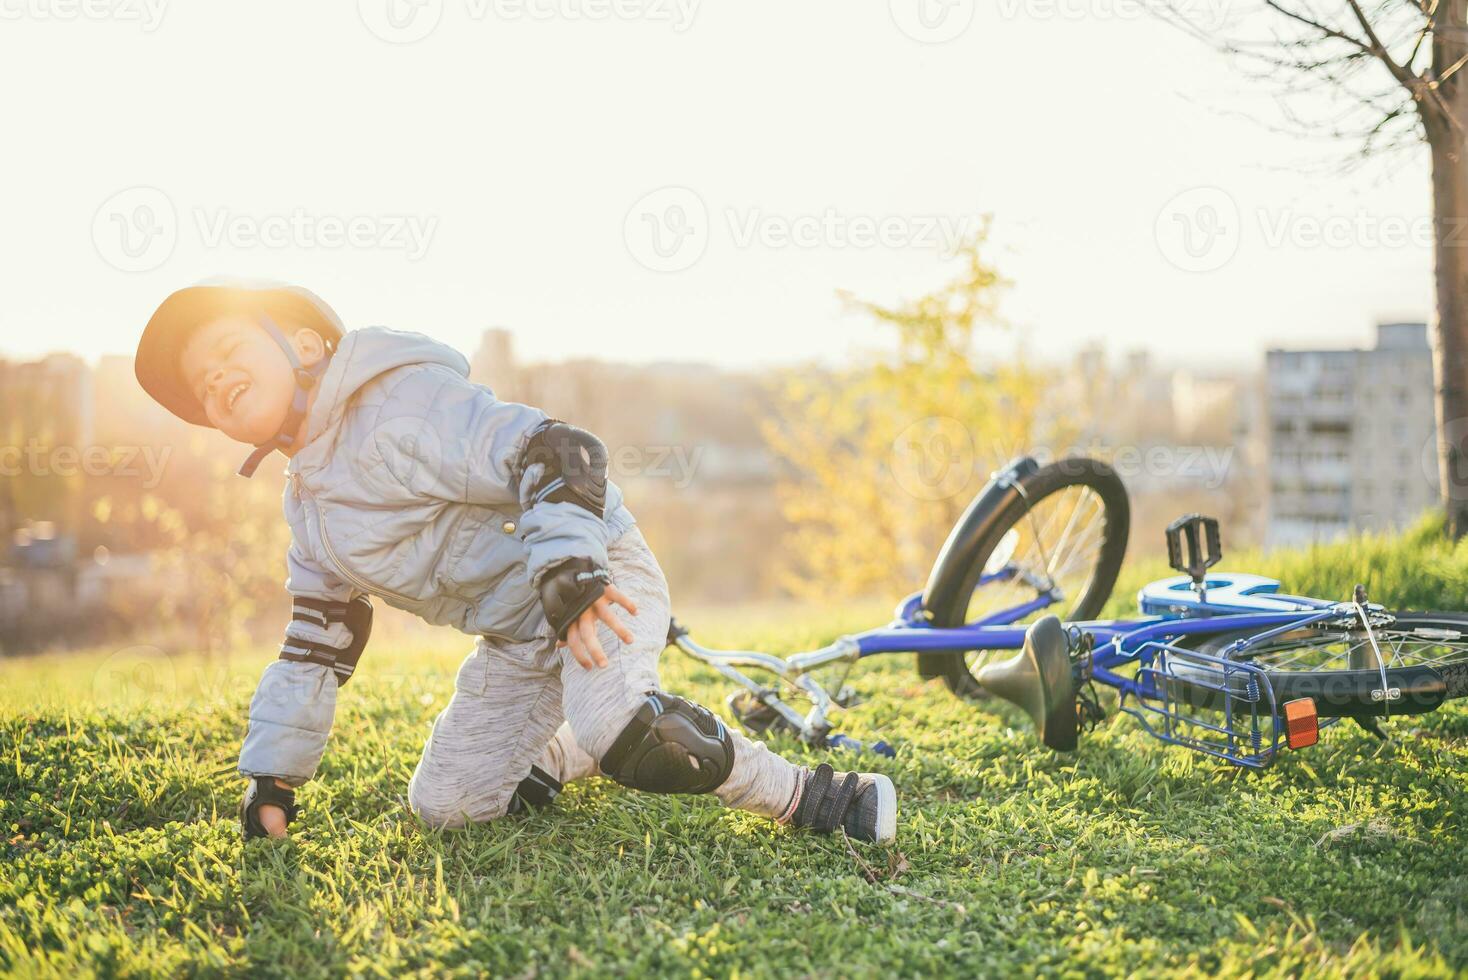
(676, 179)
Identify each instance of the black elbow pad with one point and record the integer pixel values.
(356, 614)
(574, 467)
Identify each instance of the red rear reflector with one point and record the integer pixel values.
(1302, 725)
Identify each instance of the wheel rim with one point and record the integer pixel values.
(1401, 646)
(1059, 539)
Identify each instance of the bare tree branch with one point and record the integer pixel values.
(1316, 25)
(1401, 74)
(1452, 70)
(1305, 49)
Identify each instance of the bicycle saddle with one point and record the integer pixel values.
(1039, 680)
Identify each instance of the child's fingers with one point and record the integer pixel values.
(578, 650)
(614, 594)
(608, 615)
(587, 625)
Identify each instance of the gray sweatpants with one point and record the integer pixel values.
(520, 704)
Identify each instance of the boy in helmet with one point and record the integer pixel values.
(409, 483)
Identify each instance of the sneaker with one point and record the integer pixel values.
(864, 804)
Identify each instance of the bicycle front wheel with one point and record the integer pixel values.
(1064, 531)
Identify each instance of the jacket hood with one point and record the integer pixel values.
(364, 355)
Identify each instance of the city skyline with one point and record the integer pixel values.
(1354, 337)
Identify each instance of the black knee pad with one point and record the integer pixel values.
(671, 746)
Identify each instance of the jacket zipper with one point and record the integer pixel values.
(331, 552)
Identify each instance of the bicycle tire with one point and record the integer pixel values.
(961, 563)
(1352, 693)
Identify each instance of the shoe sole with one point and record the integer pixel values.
(886, 809)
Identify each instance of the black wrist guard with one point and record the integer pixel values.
(574, 467)
(263, 791)
(569, 589)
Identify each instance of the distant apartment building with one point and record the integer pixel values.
(49, 400)
(494, 364)
(1349, 437)
(45, 405)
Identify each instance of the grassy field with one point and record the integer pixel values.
(122, 854)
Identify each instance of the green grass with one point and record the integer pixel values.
(121, 854)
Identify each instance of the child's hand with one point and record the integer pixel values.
(272, 818)
(268, 807)
(581, 635)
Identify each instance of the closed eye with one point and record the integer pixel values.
(203, 391)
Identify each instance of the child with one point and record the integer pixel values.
(409, 483)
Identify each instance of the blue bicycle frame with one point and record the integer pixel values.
(1146, 660)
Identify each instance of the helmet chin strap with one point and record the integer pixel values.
(305, 381)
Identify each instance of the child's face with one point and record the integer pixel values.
(242, 377)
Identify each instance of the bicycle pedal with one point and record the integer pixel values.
(1193, 547)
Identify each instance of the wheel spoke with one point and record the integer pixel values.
(1070, 524)
(1061, 538)
(1336, 649)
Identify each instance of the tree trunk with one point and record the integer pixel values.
(1447, 140)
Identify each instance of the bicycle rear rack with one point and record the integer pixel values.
(1223, 708)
